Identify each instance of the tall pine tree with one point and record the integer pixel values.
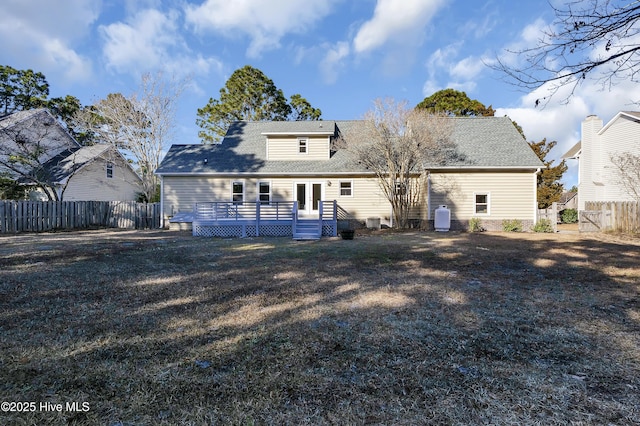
(250, 95)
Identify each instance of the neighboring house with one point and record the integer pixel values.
(597, 177)
(94, 173)
(568, 200)
(493, 177)
(77, 173)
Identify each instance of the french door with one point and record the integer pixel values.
(308, 195)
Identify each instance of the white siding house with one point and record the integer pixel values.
(597, 176)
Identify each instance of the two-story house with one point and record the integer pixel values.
(493, 177)
(598, 179)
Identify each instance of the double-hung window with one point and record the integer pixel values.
(481, 203)
(346, 188)
(109, 170)
(303, 145)
(264, 192)
(237, 192)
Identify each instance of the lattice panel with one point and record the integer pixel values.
(233, 231)
(328, 229)
(239, 231)
(275, 230)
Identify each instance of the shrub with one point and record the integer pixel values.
(543, 225)
(569, 216)
(475, 225)
(512, 225)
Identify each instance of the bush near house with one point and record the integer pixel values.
(543, 225)
(475, 225)
(569, 216)
(512, 225)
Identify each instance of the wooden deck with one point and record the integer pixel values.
(252, 219)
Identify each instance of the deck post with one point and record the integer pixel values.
(294, 218)
(335, 218)
(258, 218)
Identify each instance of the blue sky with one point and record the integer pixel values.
(338, 54)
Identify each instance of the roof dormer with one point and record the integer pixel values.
(299, 140)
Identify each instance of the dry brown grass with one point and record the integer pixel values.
(390, 328)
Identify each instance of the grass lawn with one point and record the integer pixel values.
(160, 328)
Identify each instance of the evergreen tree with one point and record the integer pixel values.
(549, 187)
(455, 103)
(249, 95)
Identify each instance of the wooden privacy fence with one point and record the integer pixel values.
(38, 216)
(610, 216)
(550, 214)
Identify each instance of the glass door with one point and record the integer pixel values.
(308, 195)
(301, 196)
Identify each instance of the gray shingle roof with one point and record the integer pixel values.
(491, 142)
(68, 162)
(482, 142)
(12, 119)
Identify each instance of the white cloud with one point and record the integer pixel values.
(43, 35)
(430, 87)
(468, 68)
(333, 61)
(143, 42)
(560, 121)
(462, 75)
(398, 21)
(150, 40)
(265, 22)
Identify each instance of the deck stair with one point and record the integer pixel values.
(307, 229)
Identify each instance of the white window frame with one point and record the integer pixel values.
(258, 193)
(303, 143)
(350, 182)
(476, 204)
(233, 193)
(109, 170)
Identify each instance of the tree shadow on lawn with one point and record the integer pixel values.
(401, 328)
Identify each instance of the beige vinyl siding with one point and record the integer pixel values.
(367, 199)
(512, 195)
(286, 148)
(181, 193)
(91, 183)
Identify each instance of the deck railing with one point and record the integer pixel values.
(248, 218)
(221, 210)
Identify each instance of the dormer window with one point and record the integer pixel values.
(302, 145)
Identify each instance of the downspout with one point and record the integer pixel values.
(162, 201)
(428, 195)
(535, 196)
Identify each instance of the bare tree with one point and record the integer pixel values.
(597, 39)
(627, 168)
(141, 124)
(396, 143)
(32, 147)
